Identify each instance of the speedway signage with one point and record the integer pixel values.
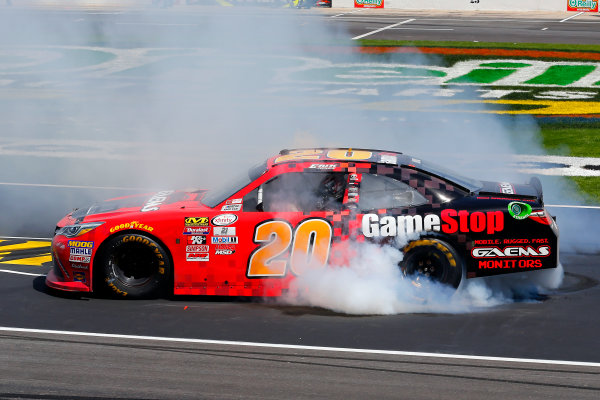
(368, 4)
(582, 5)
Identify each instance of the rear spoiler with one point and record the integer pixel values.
(537, 185)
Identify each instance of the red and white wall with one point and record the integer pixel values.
(471, 5)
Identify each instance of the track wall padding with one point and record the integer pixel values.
(468, 5)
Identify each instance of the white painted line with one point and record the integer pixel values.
(544, 29)
(567, 206)
(419, 29)
(383, 29)
(342, 14)
(572, 16)
(69, 186)
(24, 237)
(300, 347)
(8, 271)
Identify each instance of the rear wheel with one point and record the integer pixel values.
(134, 266)
(433, 259)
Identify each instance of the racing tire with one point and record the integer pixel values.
(134, 266)
(433, 259)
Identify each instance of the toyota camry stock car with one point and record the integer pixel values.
(303, 209)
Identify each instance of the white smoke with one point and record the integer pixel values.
(372, 283)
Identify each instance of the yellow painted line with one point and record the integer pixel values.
(224, 3)
(36, 261)
(549, 107)
(538, 107)
(30, 244)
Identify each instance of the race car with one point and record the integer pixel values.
(304, 209)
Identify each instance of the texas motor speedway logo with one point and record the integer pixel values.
(515, 81)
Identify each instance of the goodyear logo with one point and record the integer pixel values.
(196, 221)
(81, 244)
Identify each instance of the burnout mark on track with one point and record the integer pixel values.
(25, 252)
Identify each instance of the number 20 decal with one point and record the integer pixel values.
(310, 244)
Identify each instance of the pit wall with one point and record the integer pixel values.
(468, 5)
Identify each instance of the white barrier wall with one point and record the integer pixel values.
(470, 5)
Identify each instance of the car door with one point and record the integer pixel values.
(287, 226)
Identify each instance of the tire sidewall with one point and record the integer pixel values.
(115, 287)
(452, 263)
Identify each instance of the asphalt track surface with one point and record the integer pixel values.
(44, 359)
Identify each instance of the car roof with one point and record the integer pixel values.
(341, 154)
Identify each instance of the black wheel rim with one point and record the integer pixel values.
(133, 265)
(428, 264)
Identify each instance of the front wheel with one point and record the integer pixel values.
(433, 259)
(135, 266)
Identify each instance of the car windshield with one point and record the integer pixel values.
(472, 185)
(218, 195)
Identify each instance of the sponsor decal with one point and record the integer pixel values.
(196, 248)
(196, 221)
(79, 243)
(224, 219)
(224, 231)
(224, 249)
(507, 188)
(80, 259)
(196, 240)
(509, 264)
(519, 210)
(354, 177)
(196, 256)
(450, 221)
(234, 201)
(224, 252)
(368, 4)
(515, 251)
(191, 230)
(79, 277)
(323, 166)
(582, 5)
(231, 207)
(224, 240)
(80, 266)
(156, 201)
(131, 225)
(80, 251)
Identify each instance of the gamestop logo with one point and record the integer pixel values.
(450, 221)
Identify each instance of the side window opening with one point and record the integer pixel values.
(299, 192)
(380, 191)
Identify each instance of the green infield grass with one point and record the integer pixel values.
(577, 139)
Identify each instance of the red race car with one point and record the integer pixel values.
(303, 209)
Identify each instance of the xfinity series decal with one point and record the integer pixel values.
(224, 219)
(451, 221)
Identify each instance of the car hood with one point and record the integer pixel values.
(166, 199)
